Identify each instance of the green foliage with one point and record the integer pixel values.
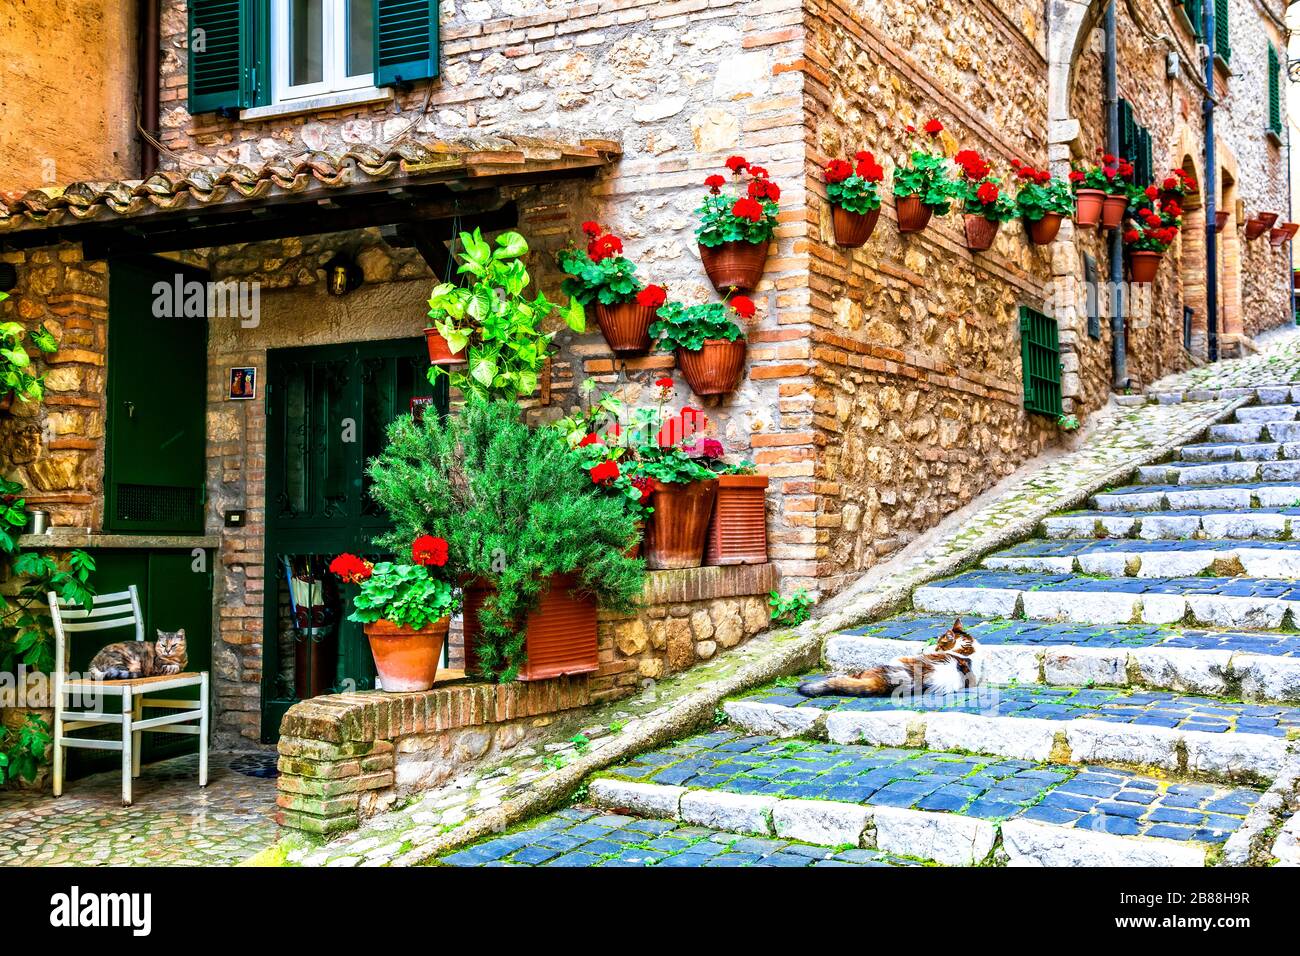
(1067, 423)
(1107, 178)
(718, 224)
(791, 611)
(516, 508)
(926, 176)
(490, 319)
(1001, 209)
(16, 375)
(854, 194)
(1035, 200)
(686, 327)
(406, 594)
(610, 281)
(671, 465)
(23, 750)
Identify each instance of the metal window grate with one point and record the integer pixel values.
(156, 504)
(1040, 357)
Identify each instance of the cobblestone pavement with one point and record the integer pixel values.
(584, 837)
(1277, 364)
(172, 822)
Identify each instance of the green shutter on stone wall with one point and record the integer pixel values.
(1195, 15)
(406, 41)
(1040, 359)
(221, 55)
(1274, 91)
(1222, 46)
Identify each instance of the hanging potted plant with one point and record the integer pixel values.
(710, 346)
(1042, 201)
(405, 610)
(18, 380)
(984, 204)
(922, 186)
(599, 276)
(1101, 192)
(854, 194)
(1147, 238)
(738, 530)
(736, 226)
(681, 505)
(1177, 186)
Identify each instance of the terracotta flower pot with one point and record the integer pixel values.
(715, 368)
(1220, 219)
(440, 352)
(626, 327)
(1112, 211)
(1087, 207)
(738, 531)
(1283, 233)
(1260, 224)
(559, 636)
(406, 660)
(853, 229)
(675, 534)
(1043, 231)
(737, 265)
(913, 215)
(1143, 265)
(980, 232)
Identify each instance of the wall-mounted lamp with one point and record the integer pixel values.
(342, 274)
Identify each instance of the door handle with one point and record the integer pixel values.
(130, 409)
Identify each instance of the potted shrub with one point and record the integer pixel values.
(736, 226)
(710, 346)
(854, 194)
(1042, 201)
(1147, 238)
(18, 380)
(1101, 192)
(738, 530)
(681, 505)
(536, 538)
(922, 186)
(405, 610)
(601, 277)
(491, 322)
(984, 204)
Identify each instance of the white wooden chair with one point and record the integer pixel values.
(119, 610)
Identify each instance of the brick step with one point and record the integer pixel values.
(1248, 432)
(1239, 451)
(585, 837)
(951, 807)
(1227, 496)
(1283, 412)
(1202, 736)
(1153, 559)
(1240, 602)
(1218, 472)
(1265, 524)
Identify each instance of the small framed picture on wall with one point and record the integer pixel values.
(243, 383)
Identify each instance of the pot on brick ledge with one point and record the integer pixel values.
(677, 528)
(715, 368)
(405, 659)
(559, 634)
(738, 529)
(735, 265)
(625, 326)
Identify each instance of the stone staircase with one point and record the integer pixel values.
(1138, 703)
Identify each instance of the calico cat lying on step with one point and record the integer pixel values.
(131, 659)
(944, 670)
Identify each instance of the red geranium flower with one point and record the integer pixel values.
(652, 296)
(1131, 235)
(986, 193)
(744, 306)
(758, 171)
(1170, 183)
(715, 183)
(644, 485)
(837, 170)
(1043, 176)
(764, 189)
(591, 228)
(429, 551)
(1125, 168)
(934, 127)
(746, 208)
(591, 439)
(1108, 159)
(870, 170)
(604, 473)
(737, 164)
(664, 382)
(1172, 209)
(1151, 192)
(603, 247)
(1076, 176)
(350, 568)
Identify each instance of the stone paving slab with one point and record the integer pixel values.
(171, 823)
(1275, 368)
(583, 837)
(1058, 703)
(1100, 799)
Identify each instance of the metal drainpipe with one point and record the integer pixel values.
(1118, 344)
(1210, 191)
(148, 81)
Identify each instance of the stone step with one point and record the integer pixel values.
(1218, 472)
(1269, 413)
(1153, 559)
(1269, 524)
(1277, 431)
(1272, 394)
(1197, 735)
(1239, 451)
(585, 837)
(1167, 497)
(950, 807)
(1240, 602)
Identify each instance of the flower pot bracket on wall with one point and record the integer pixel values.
(1259, 224)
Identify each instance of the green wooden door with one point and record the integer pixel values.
(328, 408)
(157, 392)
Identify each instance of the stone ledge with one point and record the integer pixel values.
(706, 584)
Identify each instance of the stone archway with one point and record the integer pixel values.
(1190, 248)
(1231, 321)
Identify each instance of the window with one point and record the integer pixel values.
(1040, 358)
(246, 53)
(1274, 92)
(1194, 11)
(1135, 144)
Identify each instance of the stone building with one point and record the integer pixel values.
(883, 387)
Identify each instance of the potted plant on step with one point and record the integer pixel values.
(18, 380)
(736, 226)
(601, 277)
(405, 610)
(984, 204)
(1101, 192)
(738, 529)
(854, 194)
(922, 186)
(1042, 200)
(709, 344)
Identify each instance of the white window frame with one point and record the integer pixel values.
(333, 39)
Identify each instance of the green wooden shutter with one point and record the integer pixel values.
(1195, 15)
(1274, 91)
(406, 41)
(1040, 358)
(1222, 46)
(221, 56)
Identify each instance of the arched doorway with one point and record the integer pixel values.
(1231, 324)
(1191, 266)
